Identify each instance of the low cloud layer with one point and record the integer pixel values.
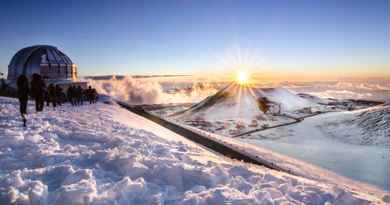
(167, 90)
(369, 90)
(151, 91)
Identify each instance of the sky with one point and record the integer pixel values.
(283, 39)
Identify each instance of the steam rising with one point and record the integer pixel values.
(151, 91)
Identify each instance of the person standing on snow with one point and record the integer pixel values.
(37, 91)
(94, 95)
(70, 95)
(22, 92)
(59, 95)
(52, 95)
(89, 94)
(79, 97)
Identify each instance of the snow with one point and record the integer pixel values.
(367, 164)
(329, 141)
(103, 154)
(234, 102)
(238, 109)
(369, 126)
(288, 100)
(241, 106)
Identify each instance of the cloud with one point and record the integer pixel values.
(190, 90)
(341, 94)
(370, 90)
(151, 91)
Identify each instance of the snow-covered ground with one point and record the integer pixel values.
(103, 154)
(354, 144)
(288, 100)
(364, 127)
(236, 109)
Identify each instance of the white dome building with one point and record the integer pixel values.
(49, 62)
(45, 60)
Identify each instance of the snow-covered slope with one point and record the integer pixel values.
(102, 154)
(288, 100)
(245, 103)
(366, 127)
(234, 102)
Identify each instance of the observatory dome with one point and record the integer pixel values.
(45, 60)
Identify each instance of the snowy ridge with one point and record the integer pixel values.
(232, 102)
(90, 155)
(285, 163)
(279, 161)
(245, 103)
(365, 127)
(288, 100)
(239, 109)
(375, 124)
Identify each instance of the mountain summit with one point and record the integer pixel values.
(235, 101)
(244, 103)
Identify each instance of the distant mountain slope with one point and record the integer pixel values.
(366, 127)
(288, 100)
(244, 102)
(232, 102)
(375, 124)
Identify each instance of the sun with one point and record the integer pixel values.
(242, 77)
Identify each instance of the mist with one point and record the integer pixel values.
(152, 91)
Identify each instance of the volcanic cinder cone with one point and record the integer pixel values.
(234, 102)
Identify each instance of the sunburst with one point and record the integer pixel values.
(242, 77)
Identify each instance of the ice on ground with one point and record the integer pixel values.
(102, 154)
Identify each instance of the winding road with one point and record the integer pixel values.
(296, 120)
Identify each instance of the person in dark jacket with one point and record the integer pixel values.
(22, 92)
(79, 95)
(38, 91)
(59, 95)
(70, 95)
(46, 98)
(52, 95)
(89, 94)
(94, 95)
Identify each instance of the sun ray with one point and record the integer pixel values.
(238, 100)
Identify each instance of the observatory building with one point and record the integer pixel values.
(52, 64)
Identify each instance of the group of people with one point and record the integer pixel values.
(53, 94)
(76, 95)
